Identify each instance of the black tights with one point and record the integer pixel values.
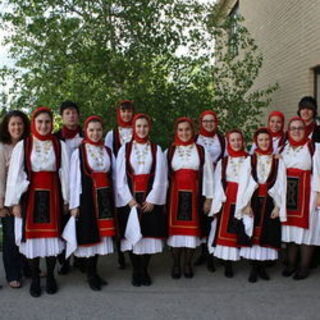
(35, 270)
(177, 253)
(306, 253)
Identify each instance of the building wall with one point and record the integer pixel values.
(288, 34)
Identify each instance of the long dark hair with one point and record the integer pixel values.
(5, 136)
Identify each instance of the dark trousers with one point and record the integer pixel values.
(12, 258)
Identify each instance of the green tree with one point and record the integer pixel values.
(157, 52)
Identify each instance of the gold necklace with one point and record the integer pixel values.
(97, 154)
(185, 152)
(141, 155)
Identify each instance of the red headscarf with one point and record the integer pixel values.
(177, 141)
(231, 152)
(120, 121)
(304, 140)
(279, 114)
(34, 132)
(85, 127)
(135, 136)
(255, 138)
(202, 130)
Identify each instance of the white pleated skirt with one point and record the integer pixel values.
(258, 253)
(226, 253)
(310, 236)
(103, 248)
(143, 246)
(184, 242)
(42, 247)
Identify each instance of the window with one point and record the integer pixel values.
(317, 83)
(234, 14)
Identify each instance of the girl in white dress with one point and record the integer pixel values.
(223, 238)
(37, 189)
(261, 195)
(214, 143)
(191, 190)
(301, 232)
(141, 196)
(92, 199)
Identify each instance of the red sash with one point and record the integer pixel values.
(106, 226)
(224, 236)
(48, 182)
(298, 198)
(140, 182)
(184, 180)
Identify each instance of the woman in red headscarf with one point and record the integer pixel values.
(301, 231)
(214, 143)
(261, 195)
(37, 188)
(224, 229)
(191, 182)
(141, 195)
(276, 128)
(92, 200)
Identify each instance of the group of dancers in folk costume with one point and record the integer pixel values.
(76, 193)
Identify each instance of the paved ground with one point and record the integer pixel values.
(206, 296)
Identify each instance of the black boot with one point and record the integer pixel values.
(301, 274)
(253, 276)
(203, 255)
(187, 268)
(136, 275)
(210, 263)
(64, 262)
(228, 269)
(93, 280)
(145, 277)
(35, 289)
(262, 271)
(121, 257)
(51, 286)
(176, 267)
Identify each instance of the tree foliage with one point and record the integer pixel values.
(160, 53)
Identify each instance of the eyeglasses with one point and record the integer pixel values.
(296, 129)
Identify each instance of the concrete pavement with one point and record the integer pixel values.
(206, 296)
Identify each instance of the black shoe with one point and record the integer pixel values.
(145, 279)
(253, 276)
(94, 283)
(301, 274)
(176, 272)
(51, 286)
(210, 264)
(263, 273)
(136, 279)
(102, 281)
(288, 271)
(35, 289)
(121, 261)
(65, 268)
(188, 272)
(228, 271)
(201, 260)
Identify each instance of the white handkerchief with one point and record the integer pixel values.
(69, 234)
(18, 222)
(133, 230)
(248, 225)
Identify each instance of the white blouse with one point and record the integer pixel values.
(212, 145)
(233, 174)
(98, 160)
(141, 161)
(247, 185)
(187, 157)
(42, 159)
(125, 136)
(73, 144)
